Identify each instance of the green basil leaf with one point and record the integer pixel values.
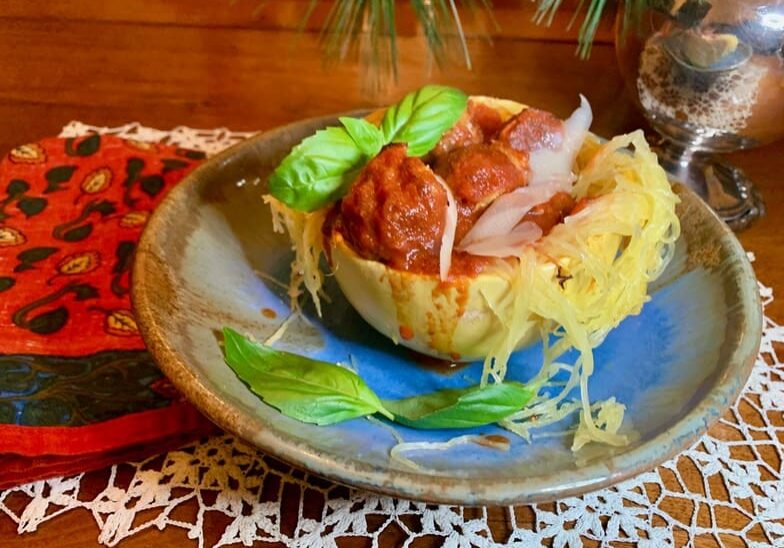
(301, 388)
(317, 171)
(366, 136)
(422, 117)
(461, 408)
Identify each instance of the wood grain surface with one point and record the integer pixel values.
(208, 64)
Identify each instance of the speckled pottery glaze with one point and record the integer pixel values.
(208, 258)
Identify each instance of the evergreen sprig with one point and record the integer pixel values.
(368, 26)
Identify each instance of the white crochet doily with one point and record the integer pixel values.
(740, 496)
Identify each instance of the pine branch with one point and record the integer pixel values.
(369, 26)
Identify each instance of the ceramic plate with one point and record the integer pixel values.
(209, 259)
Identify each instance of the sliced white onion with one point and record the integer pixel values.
(510, 244)
(506, 212)
(561, 182)
(546, 165)
(450, 226)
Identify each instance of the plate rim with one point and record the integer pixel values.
(501, 490)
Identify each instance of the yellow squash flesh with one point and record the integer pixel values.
(451, 320)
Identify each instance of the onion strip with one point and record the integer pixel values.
(545, 164)
(450, 227)
(504, 215)
(507, 245)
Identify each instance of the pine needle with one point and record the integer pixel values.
(368, 27)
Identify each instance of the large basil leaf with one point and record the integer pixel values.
(318, 171)
(461, 408)
(323, 393)
(422, 117)
(304, 389)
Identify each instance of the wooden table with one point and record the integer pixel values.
(170, 62)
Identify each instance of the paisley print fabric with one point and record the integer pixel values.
(71, 357)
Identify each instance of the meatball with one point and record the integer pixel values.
(465, 132)
(478, 124)
(477, 174)
(531, 130)
(394, 212)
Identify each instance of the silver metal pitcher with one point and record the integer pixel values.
(709, 77)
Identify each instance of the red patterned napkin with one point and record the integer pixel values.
(78, 390)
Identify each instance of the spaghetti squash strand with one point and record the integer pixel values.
(606, 256)
(304, 230)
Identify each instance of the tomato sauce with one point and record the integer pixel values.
(552, 212)
(437, 365)
(406, 333)
(486, 118)
(581, 204)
